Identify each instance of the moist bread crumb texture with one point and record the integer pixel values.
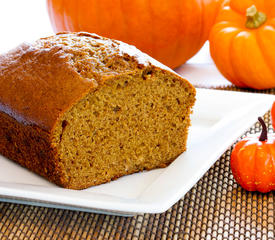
(115, 112)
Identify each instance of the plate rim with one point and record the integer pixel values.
(16, 192)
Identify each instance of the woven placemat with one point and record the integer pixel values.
(215, 208)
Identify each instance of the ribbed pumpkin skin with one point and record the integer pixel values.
(170, 31)
(246, 57)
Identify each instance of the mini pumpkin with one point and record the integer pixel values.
(242, 43)
(172, 31)
(253, 162)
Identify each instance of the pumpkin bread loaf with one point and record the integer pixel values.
(81, 110)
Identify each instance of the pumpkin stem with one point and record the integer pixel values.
(254, 19)
(263, 136)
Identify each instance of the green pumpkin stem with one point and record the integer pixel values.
(263, 136)
(254, 19)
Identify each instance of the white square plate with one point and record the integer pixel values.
(219, 118)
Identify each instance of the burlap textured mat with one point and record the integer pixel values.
(215, 208)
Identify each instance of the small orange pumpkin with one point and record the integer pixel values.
(242, 43)
(172, 31)
(253, 162)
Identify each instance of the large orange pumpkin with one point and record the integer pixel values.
(242, 43)
(172, 31)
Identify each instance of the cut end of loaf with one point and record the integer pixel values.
(133, 122)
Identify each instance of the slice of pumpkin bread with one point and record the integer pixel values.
(81, 110)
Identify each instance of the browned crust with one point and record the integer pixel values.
(40, 81)
(29, 146)
(38, 85)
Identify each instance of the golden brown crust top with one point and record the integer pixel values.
(37, 84)
(42, 80)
